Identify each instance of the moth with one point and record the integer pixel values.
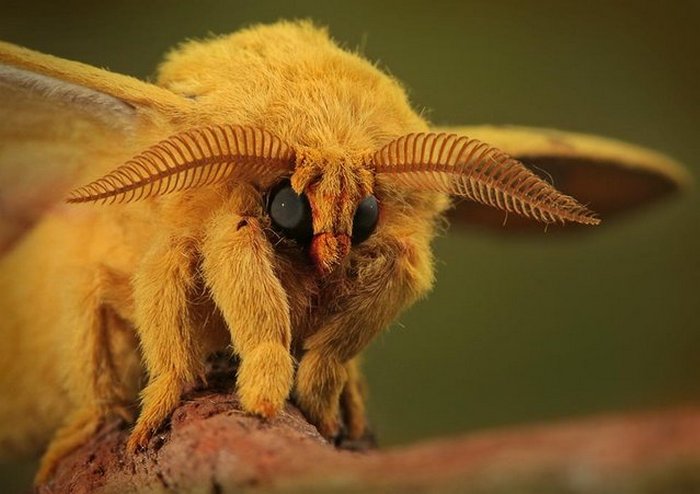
(270, 195)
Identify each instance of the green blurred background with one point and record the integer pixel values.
(518, 329)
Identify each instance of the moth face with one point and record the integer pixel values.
(328, 206)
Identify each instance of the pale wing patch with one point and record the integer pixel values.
(106, 108)
(50, 132)
(60, 119)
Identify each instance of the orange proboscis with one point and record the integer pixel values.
(328, 250)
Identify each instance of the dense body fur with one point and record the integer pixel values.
(190, 274)
(103, 304)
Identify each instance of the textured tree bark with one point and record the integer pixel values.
(211, 446)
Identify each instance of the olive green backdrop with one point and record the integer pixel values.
(518, 329)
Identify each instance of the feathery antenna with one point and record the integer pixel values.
(464, 167)
(193, 158)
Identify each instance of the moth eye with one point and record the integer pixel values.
(365, 220)
(290, 213)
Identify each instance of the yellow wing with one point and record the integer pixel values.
(606, 175)
(59, 118)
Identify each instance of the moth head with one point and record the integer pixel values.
(328, 203)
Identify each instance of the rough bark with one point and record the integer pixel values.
(211, 446)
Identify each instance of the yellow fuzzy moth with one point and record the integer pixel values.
(272, 194)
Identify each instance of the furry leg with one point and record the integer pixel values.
(94, 380)
(238, 268)
(394, 279)
(80, 426)
(319, 382)
(352, 402)
(172, 354)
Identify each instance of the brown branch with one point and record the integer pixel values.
(211, 446)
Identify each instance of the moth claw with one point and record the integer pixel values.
(138, 441)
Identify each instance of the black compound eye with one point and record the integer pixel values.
(365, 220)
(290, 212)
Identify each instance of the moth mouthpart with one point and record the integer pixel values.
(328, 250)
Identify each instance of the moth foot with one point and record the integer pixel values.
(159, 399)
(79, 427)
(139, 438)
(329, 428)
(265, 376)
(364, 442)
(327, 422)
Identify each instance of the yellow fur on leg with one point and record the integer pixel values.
(264, 379)
(254, 306)
(172, 352)
(159, 399)
(398, 275)
(93, 374)
(319, 382)
(80, 426)
(352, 402)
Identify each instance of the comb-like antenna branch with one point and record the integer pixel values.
(464, 167)
(193, 158)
